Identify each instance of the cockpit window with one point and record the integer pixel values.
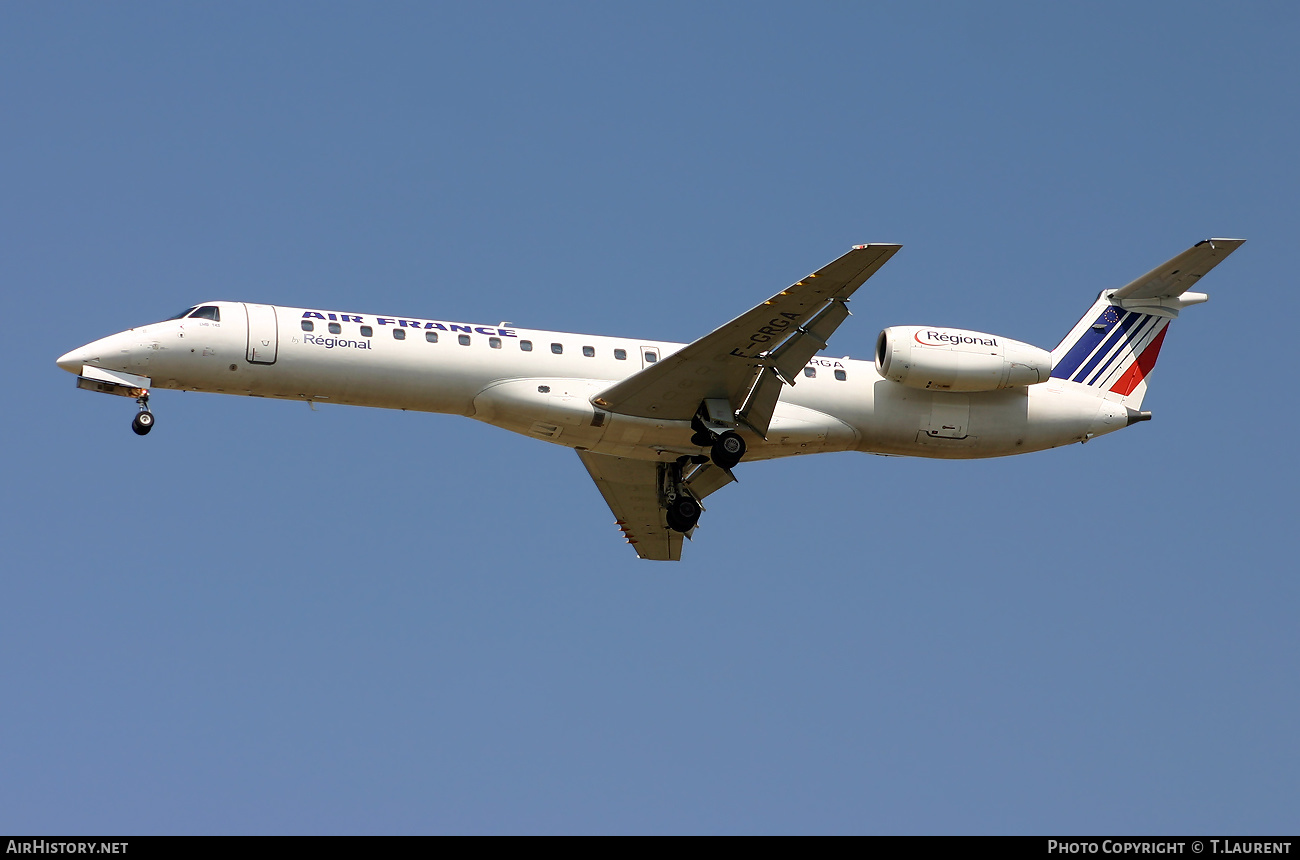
(184, 313)
(207, 312)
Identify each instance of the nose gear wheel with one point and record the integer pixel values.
(143, 421)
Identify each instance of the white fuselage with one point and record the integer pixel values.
(845, 405)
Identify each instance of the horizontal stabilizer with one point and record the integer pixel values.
(1180, 274)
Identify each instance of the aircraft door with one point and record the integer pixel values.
(649, 355)
(263, 334)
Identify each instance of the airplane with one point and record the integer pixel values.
(661, 426)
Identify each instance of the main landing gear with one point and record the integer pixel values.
(680, 508)
(683, 514)
(725, 449)
(143, 421)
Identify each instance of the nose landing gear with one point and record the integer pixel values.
(143, 421)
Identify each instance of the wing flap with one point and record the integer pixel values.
(723, 363)
(793, 355)
(761, 401)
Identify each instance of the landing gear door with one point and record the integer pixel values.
(949, 416)
(263, 334)
(649, 355)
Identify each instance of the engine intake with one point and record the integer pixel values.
(950, 359)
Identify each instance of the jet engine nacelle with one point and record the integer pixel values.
(950, 359)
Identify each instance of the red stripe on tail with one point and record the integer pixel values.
(1141, 367)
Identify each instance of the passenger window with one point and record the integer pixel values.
(841, 375)
(431, 336)
(308, 325)
(620, 354)
(651, 357)
(525, 346)
(494, 342)
(399, 334)
(557, 348)
(207, 312)
(463, 340)
(589, 351)
(335, 328)
(367, 331)
(810, 372)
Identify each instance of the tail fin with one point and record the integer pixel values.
(1116, 343)
(1112, 348)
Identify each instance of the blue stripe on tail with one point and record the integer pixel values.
(1082, 348)
(1120, 334)
(1139, 330)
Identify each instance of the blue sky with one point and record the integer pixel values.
(261, 619)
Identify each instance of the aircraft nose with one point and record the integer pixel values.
(91, 353)
(73, 361)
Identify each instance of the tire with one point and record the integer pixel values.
(728, 450)
(683, 514)
(142, 423)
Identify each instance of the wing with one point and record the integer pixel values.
(1180, 274)
(631, 489)
(747, 360)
